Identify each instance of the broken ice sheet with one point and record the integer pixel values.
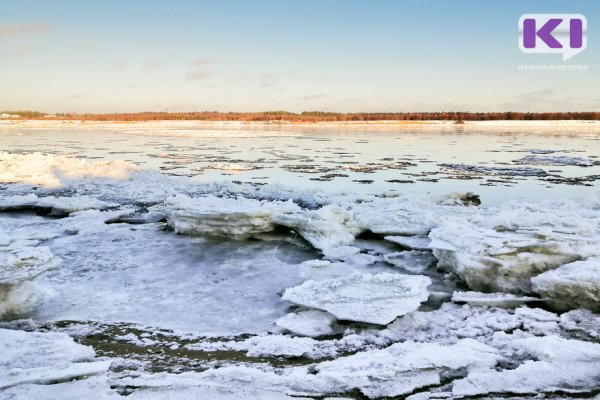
(375, 299)
(558, 365)
(44, 358)
(571, 285)
(403, 367)
(309, 323)
(491, 299)
(237, 218)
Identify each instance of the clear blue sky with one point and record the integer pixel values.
(384, 55)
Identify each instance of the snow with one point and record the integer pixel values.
(375, 299)
(571, 285)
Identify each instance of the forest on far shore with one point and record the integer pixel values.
(311, 116)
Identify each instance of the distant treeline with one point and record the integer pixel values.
(315, 116)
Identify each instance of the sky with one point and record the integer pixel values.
(330, 55)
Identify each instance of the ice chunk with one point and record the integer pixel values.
(56, 171)
(280, 345)
(237, 218)
(501, 249)
(558, 364)
(54, 205)
(415, 261)
(310, 323)
(208, 392)
(403, 367)
(491, 170)
(95, 387)
(20, 262)
(555, 160)
(330, 229)
(452, 322)
(572, 285)
(581, 322)
(376, 299)
(412, 242)
(491, 299)
(43, 358)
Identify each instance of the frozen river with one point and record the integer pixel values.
(272, 262)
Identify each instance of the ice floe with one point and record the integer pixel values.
(489, 170)
(44, 358)
(403, 367)
(491, 299)
(21, 260)
(376, 299)
(501, 249)
(310, 323)
(571, 285)
(555, 365)
(237, 218)
(56, 171)
(555, 160)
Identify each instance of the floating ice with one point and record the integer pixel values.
(488, 170)
(21, 260)
(403, 367)
(310, 323)
(581, 323)
(452, 322)
(52, 204)
(491, 299)
(44, 358)
(56, 171)
(376, 299)
(95, 387)
(555, 160)
(502, 249)
(572, 285)
(412, 242)
(558, 365)
(237, 218)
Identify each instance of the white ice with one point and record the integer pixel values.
(571, 285)
(44, 358)
(376, 299)
(310, 323)
(491, 299)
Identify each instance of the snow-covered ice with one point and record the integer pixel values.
(44, 358)
(491, 299)
(571, 285)
(375, 299)
(310, 323)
